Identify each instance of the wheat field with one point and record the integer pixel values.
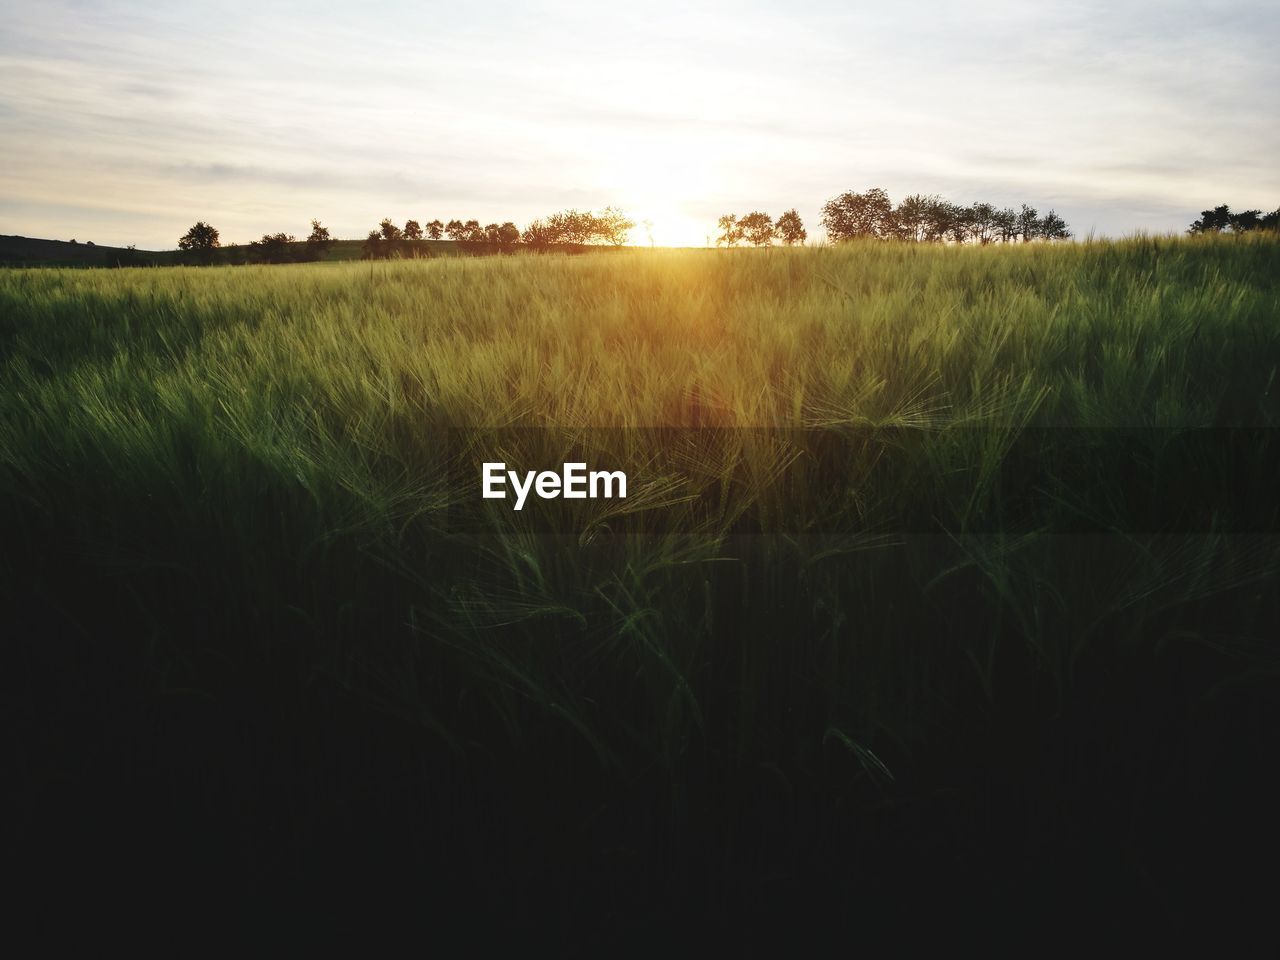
(234, 492)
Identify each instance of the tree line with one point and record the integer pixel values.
(569, 229)
(760, 230)
(1221, 220)
(202, 239)
(918, 218)
(389, 241)
(929, 218)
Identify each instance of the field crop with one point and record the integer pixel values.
(946, 576)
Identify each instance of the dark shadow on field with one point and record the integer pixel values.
(850, 743)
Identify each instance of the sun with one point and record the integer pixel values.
(665, 225)
(657, 187)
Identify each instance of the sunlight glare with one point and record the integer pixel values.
(656, 187)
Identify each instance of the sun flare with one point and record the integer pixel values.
(657, 188)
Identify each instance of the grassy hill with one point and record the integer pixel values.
(31, 252)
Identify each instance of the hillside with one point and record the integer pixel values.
(31, 251)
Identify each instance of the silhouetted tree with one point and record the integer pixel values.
(411, 243)
(572, 227)
(318, 242)
(272, 248)
(504, 237)
(577, 228)
(467, 234)
(983, 222)
(538, 235)
(201, 239)
(392, 238)
(789, 228)
(434, 229)
(612, 226)
(1246, 220)
(389, 230)
(936, 219)
(374, 247)
(1028, 223)
(930, 218)
(1221, 218)
(916, 218)
(853, 215)
(959, 223)
(730, 230)
(757, 228)
(1053, 227)
(1212, 221)
(1006, 225)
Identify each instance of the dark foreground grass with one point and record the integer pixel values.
(947, 596)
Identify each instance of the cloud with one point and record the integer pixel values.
(261, 117)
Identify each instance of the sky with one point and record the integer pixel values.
(126, 122)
